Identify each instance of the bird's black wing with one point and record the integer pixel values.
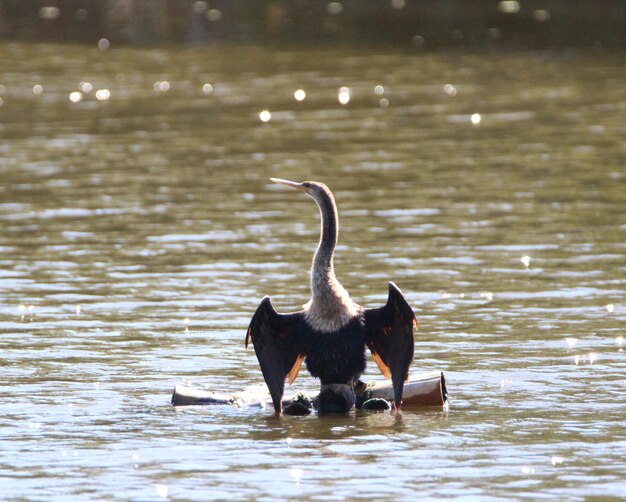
(389, 335)
(275, 341)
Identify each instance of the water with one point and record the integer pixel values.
(139, 232)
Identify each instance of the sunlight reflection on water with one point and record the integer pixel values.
(140, 232)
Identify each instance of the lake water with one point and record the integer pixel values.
(139, 231)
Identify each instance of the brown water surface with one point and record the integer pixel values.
(139, 230)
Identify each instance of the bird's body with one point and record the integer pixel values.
(337, 356)
(332, 331)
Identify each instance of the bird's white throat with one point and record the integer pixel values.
(330, 307)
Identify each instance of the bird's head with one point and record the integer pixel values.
(318, 191)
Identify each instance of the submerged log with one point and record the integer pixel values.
(423, 390)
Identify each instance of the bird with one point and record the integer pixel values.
(331, 332)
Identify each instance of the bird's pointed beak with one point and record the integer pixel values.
(292, 184)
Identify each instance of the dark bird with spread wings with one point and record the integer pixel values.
(331, 332)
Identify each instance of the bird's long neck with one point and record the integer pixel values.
(330, 307)
(322, 271)
(323, 259)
